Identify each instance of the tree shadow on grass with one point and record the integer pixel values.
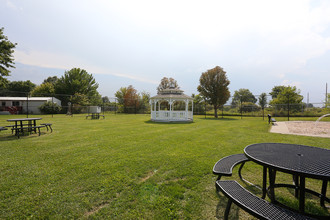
(168, 123)
(14, 137)
(220, 119)
(221, 208)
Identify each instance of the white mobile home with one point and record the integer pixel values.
(15, 105)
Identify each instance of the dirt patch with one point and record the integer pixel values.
(96, 209)
(307, 128)
(149, 175)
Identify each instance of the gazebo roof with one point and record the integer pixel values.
(173, 93)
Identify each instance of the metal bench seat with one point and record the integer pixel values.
(252, 204)
(29, 129)
(224, 167)
(48, 125)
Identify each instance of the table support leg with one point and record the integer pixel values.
(35, 124)
(302, 194)
(16, 127)
(22, 131)
(228, 209)
(272, 176)
(296, 183)
(264, 182)
(323, 192)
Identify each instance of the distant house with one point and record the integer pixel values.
(18, 105)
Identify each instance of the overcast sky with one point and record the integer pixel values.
(259, 43)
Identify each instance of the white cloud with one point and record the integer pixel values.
(292, 83)
(60, 61)
(11, 5)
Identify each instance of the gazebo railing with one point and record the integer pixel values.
(171, 115)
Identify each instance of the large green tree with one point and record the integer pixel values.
(167, 83)
(45, 89)
(276, 90)
(288, 97)
(120, 94)
(243, 95)
(77, 81)
(263, 100)
(20, 88)
(129, 100)
(6, 57)
(51, 79)
(214, 87)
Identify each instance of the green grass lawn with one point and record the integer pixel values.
(127, 167)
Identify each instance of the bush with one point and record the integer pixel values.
(50, 108)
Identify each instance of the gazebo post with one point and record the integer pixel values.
(192, 106)
(187, 108)
(170, 102)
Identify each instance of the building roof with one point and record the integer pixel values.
(25, 98)
(173, 93)
(173, 96)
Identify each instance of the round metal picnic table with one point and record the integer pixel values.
(299, 160)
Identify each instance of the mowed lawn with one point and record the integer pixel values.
(127, 167)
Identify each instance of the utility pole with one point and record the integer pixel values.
(307, 98)
(307, 101)
(288, 107)
(326, 95)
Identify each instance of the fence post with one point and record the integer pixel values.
(52, 107)
(263, 113)
(241, 108)
(115, 106)
(288, 107)
(27, 105)
(103, 107)
(135, 105)
(205, 107)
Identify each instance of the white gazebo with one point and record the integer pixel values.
(171, 105)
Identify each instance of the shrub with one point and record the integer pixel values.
(50, 108)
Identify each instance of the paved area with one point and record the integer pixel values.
(306, 128)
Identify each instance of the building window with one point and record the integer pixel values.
(15, 103)
(3, 104)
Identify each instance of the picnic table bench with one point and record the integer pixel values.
(224, 167)
(19, 130)
(48, 125)
(253, 204)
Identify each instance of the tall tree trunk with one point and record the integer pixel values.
(215, 111)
